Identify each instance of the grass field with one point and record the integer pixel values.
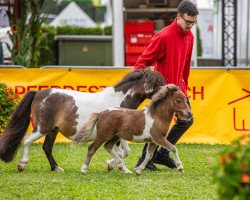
(38, 182)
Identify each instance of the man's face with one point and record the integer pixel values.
(185, 21)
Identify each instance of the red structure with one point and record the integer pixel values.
(137, 37)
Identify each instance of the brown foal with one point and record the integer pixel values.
(149, 125)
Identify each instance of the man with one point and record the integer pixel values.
(171, 50)
(1, 54)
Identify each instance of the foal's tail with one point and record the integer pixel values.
(15, 130)
(87, 129)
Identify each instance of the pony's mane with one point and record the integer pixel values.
(151, 77)
(160, 96)
(130, 77)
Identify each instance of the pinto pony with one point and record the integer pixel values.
(148, 125)
(66, 111)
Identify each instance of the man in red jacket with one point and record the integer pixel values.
(171, 50)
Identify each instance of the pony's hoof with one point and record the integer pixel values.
(110, 168)
(180, 168)
(84, 172)
(59, 169)
(20, 168)
(125, 171)
(138, 172)
(111, 165)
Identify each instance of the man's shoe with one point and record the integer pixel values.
(150, 165)
(163, 159)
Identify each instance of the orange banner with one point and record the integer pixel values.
(220, 98)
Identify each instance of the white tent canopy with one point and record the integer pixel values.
(204, 4)
(73, 15)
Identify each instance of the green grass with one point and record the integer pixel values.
(38, 182)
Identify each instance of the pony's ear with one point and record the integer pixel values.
(173, 88)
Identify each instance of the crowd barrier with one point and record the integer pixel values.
(220, 97)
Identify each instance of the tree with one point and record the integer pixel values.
(26, 33)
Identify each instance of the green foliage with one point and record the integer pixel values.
(26, 34)
(8, 101)
(232, 172)
(73, 30)
(199, 42)
(38, 181)
(108, 30)
(48, 50)
(80, 1)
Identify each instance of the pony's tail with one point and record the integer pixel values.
(16, 128)
(87, 129)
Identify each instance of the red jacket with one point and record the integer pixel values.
(171, 49)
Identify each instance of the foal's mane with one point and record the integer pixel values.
(152, 78)
(160, 96)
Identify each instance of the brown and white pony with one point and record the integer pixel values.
(66, 111)
(148, 125)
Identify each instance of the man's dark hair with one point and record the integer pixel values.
(187, 7)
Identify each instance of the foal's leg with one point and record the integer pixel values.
(118, 161)
(122, 149)
(149, 154)
(47, 147)
(166, 144)
(91, 151)
(126, 149)
(35, 135)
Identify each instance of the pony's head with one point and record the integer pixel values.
(138, 86)
(171, 97)
(145, 83)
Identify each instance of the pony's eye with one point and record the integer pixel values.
(178, 101)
